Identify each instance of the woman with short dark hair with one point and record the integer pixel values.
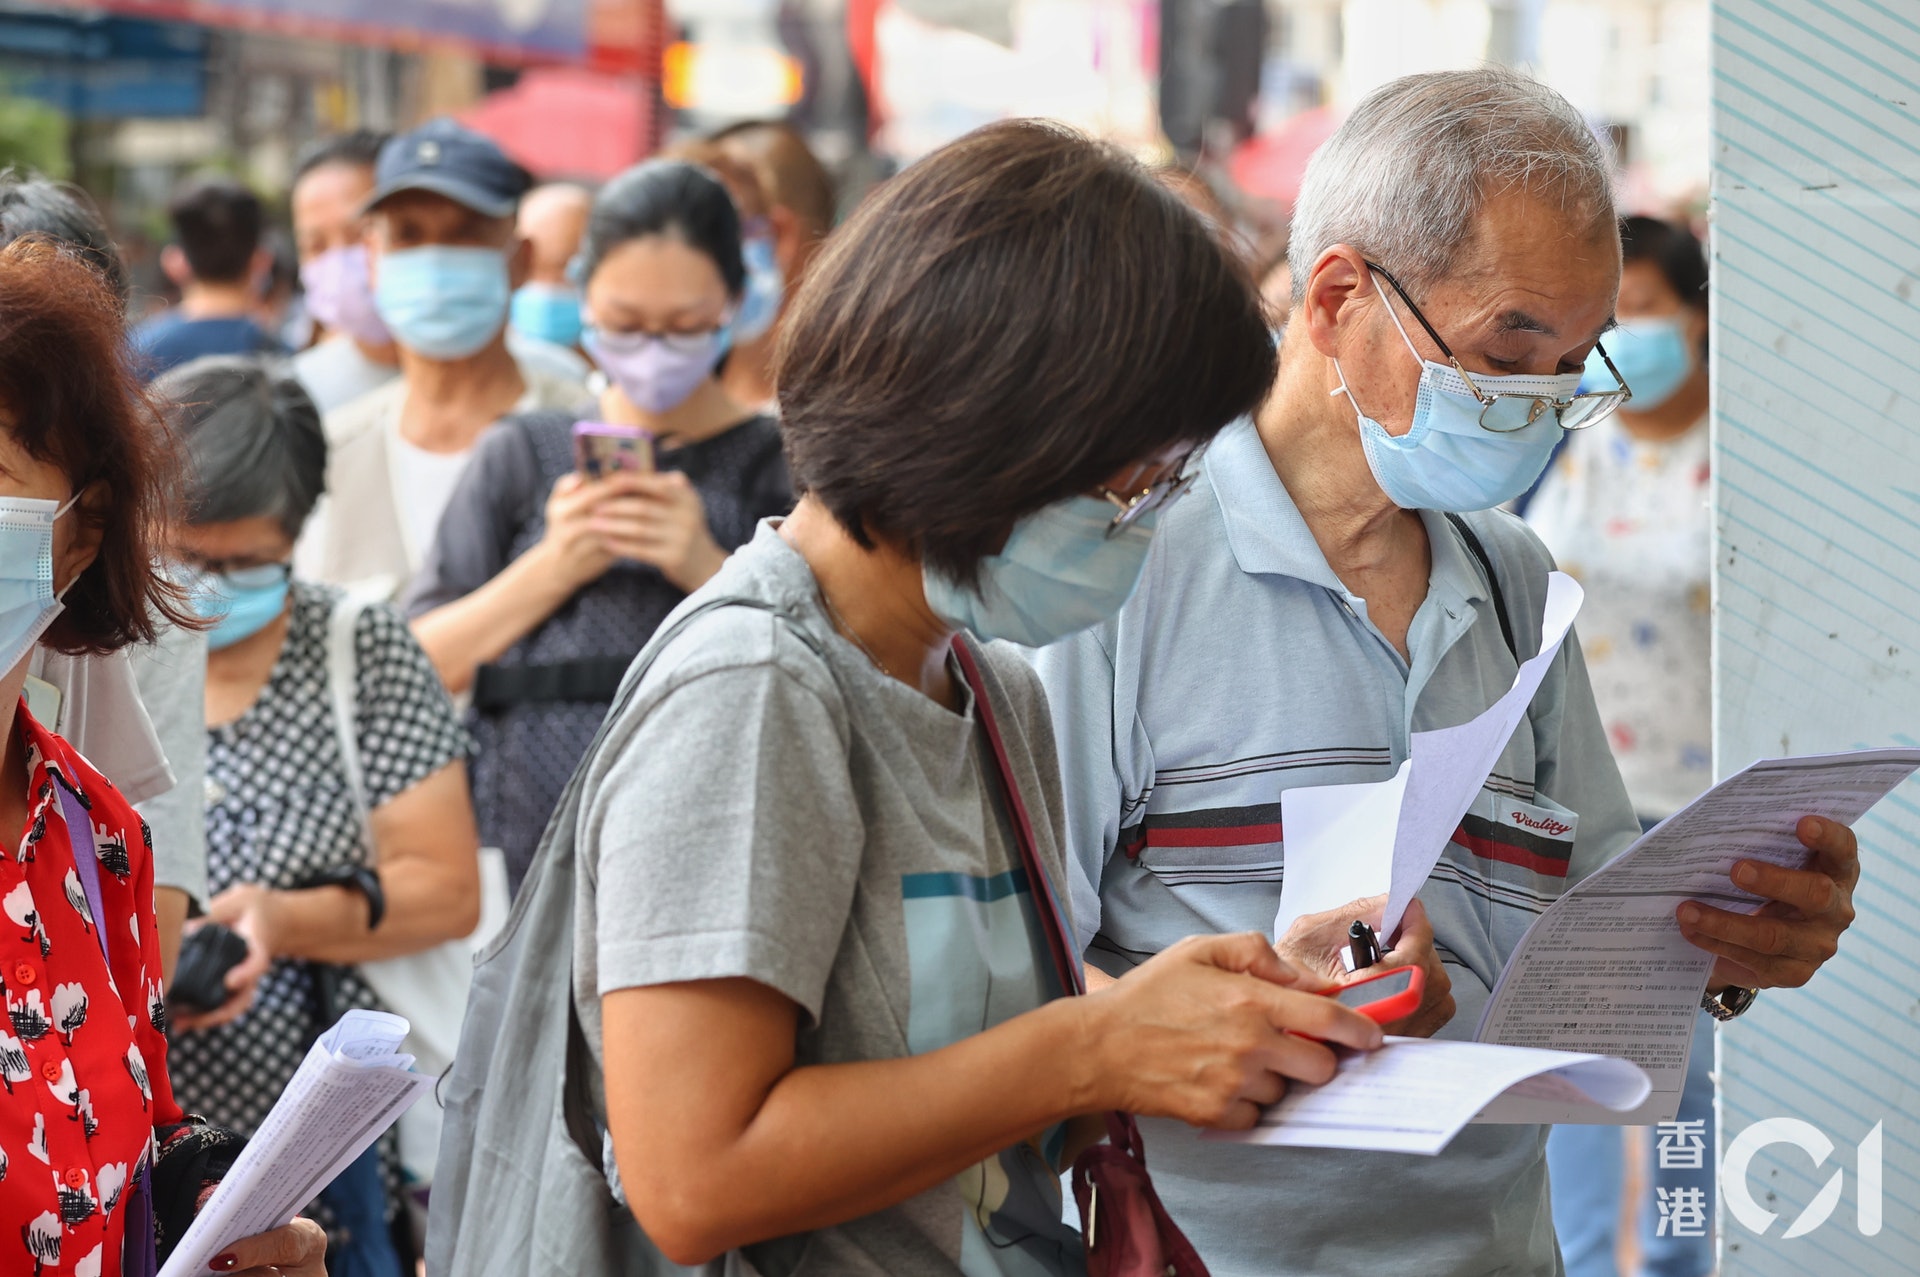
(813, 961)
(321, 862)
(83, 474)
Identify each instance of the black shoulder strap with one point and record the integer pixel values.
(1479, 552)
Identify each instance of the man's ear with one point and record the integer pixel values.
(1339, 285)
(173, 264)
(519, 261)
(260, 271)
(789, 244)
(1696, 330)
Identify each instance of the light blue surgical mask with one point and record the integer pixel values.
(1058, 573)
(1654, 358)
(443, 301)
(28, 602)
(239, 603)
(550, 312)
(1448, 460)
(765, 289)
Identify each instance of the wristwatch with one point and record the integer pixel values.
(355, 878)
(1729, 1003)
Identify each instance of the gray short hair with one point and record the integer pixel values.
(1404, 178)
(253, 441)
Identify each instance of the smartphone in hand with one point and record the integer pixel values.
(601, 448)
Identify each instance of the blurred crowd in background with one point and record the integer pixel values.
(126, 101)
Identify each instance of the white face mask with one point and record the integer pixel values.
(28, 602)
(1448, 460)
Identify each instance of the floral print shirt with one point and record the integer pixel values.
(83, 1055)
(1629, 518)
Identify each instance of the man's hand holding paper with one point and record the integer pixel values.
(1792, 936)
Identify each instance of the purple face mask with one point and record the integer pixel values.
(656, 372)
(340, 294)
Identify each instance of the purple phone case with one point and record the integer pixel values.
(592, 459)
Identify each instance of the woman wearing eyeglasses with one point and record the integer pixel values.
(545, 580)
(808, 951)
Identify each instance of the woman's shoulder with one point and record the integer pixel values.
(529, 446)
(112, 815)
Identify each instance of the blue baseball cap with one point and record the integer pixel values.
(448, 158)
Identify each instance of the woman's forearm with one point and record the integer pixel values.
(461, 636)
(427, 903)
(868, 1134)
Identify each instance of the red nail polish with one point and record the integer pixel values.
(225, 1263)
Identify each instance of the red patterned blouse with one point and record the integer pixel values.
(82, 1053)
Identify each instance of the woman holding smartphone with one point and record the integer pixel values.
(543, 581)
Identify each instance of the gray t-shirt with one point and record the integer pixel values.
(770, 806)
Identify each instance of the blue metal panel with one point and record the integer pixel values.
(1816, 348)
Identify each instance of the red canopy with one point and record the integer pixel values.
(1270, 165)
(560, 122)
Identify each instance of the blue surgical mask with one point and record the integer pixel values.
(28, 602)
(550, 312)
(443, 301)
(1058, 573)
(760, 303)
(239, 603)
(1448, 460)
(1654, 358)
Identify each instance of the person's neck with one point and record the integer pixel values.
(386, 354)
(749, 372)
(15, 802)
(451, 401)
(1313, 440)
(237, 672)
(707, 412)
(201, 300)
(875, 598)
(1672, 416)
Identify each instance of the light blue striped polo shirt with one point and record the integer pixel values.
(1242, 667)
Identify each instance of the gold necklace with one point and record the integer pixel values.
(840, 623)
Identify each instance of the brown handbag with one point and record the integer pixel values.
(1128, 1231)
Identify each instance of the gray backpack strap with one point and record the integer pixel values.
(520, 1191)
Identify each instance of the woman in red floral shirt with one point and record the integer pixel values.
(82, 1053)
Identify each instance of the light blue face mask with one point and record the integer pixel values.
(1058, 573)
(760, 302)
(1448, 460)
(443, 301)
(550, 312)
(239, 603)
(28, 602)
(1654, 358)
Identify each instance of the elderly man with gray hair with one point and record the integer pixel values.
(1341, 579)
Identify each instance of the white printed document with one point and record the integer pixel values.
(352, 1086)
(1414, 1095)
(1346, 842)
(1605, 968)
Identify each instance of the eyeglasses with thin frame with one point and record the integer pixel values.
(1158, 495)
(1504, 411)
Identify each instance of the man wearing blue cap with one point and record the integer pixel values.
(445, 260)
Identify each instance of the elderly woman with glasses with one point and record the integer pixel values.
(318, 873)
